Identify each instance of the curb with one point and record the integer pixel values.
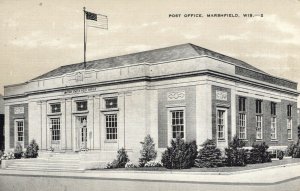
(196, 173)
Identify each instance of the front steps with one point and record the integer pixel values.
(51, 161)
(43, 165)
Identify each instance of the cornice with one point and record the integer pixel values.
(234, 78)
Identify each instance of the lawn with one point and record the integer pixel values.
(219, 169)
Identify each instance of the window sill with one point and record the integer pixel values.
(274, 140)
(53, 114)
(259, 140)
(245, 140)
(290, 140)
(221, 140)
(80, 112)
(110, 141)
(109, 110)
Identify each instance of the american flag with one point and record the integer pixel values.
(96, 20)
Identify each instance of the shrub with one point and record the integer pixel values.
(113, 164)
(153, 164)
(130, 165)
(235, 154)
(148, 151)
(18, 152)
(120, 162)
(32, 150)
(290, 149)
(209, 156)
(122, 158)
(258, 154)
(296, 153)
(180, 155)
(8, 156)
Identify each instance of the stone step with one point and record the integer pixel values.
(44, 169)
(45, 165)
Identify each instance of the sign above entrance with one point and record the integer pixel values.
(221, 95)
(80, 90)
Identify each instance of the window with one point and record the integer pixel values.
(242, 125)
(258, 106)
(258, 127)
(55, 128)
(111, 122)
(111, 103)
(177, 123)
(289, 128)
(289, 110)
(273, 128)
(81, 105)
(19, 126)
(220, 124)
(273, 108)
(55, 108)
(242, 104)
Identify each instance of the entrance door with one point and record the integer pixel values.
(82, 132)
(55, 133)
(221, 127)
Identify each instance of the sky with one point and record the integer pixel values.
(38, 36)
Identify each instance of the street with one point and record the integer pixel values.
(35, 183)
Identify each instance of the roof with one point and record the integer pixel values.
(182, 51)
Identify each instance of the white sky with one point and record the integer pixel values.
(38, 36)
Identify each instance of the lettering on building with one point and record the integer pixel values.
(221, 95)
(80, 90)
(178, 95)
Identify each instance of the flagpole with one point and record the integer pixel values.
(84, 39)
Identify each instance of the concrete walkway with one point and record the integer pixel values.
(266, 176)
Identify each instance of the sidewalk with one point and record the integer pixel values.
(264, 176)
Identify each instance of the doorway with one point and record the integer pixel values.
(81, 126)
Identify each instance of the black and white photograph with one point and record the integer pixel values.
(149, 95)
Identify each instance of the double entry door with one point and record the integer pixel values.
(81, 128)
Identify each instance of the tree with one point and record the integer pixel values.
(148, 151)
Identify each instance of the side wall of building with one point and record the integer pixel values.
(281, 121)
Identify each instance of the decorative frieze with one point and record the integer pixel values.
(221, 95)
(19, 110)
(178, 95)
